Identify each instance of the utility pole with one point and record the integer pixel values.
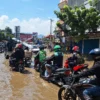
(51, 28)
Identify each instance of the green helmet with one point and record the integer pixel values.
(57, 48)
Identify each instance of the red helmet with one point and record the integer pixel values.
(19, 45)
(75, 48)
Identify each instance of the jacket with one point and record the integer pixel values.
(19, 54)
(57, 59)
(41, 56)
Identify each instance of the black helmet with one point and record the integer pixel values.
(41, 47)
(95, 53)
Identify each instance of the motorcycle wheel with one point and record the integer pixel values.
(64, 94)
(37, 68)
(21, 68)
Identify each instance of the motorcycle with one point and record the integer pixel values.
(27, 62)
(76, 68)
(75, 90)
(20, 66)
(62, 76)
(37, 65)
(17, 66)
(1, 49)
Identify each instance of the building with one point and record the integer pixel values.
(17, 32)
(26, 37)
(81, 2)
(94, 38)
(60, 34)
(76, 2)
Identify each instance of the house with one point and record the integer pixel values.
(81, 2)
(92, 42)
(49, 36)
(94, 38)
(59, 33)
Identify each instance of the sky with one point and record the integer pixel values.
(31, 15)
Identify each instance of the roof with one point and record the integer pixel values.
(49, 36)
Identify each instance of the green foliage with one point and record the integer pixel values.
(79, 19)
(5, 34)
(93, 3)
(8, 30)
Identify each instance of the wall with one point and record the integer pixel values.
(89, 44)
(76, 2)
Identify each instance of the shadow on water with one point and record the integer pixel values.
(27, 72)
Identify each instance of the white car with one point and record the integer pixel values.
(34, 48)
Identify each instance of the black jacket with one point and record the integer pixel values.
(57, 59)
(95, 70)
(19, 54)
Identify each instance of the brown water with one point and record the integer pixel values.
(29, 86)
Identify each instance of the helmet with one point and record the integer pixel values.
(75, 49)
(19, 46)
(41, 47)
(95, 53)
(57, 48)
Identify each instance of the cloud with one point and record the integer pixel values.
(42, 26)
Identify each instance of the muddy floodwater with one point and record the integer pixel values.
(28, 86)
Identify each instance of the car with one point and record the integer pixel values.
(34, 48)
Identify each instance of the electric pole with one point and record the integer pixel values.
(51, 29)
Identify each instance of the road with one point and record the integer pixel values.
(28, 86)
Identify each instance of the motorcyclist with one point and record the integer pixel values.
(28, 53)
(40, 57)
(12, 56)
(76, 57)
(19, 53)
(57, 59)
(95, 70)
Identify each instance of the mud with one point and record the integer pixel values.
(27, 86)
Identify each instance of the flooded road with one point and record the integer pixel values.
(28, 86)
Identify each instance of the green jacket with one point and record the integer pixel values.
(42, 55)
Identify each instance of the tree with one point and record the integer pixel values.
(5, 34)
(2, 36)
(8, 30)
(79, 19)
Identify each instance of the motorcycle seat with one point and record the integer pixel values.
(63, 69)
